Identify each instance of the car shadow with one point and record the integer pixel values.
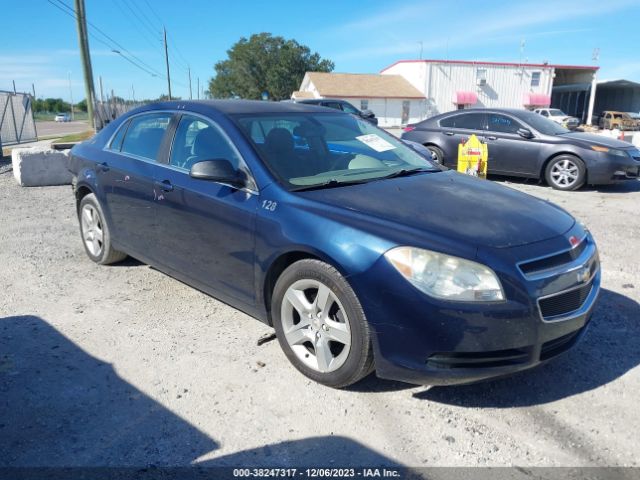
(621, 187)
(60, 406)
(608, 350)
(326, 452)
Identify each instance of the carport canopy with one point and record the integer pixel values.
(463, 97)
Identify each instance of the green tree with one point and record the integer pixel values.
(264, 63)
(82, 105)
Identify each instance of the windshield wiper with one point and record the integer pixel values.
(405, 172)
(334, 182)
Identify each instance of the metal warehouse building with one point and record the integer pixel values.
(456, 84)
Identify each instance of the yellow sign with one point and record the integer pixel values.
(472, 157)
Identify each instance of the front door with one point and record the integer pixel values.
(205, 230)
(509, 153)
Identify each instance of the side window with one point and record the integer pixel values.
(144, 135)
(535, 79)
(334, 105)
(503, 124)
(467, 121)
(545, 113)
(197, 140)
(116, 142)
(349, 109)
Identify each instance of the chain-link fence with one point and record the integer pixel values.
(16, 118)
(109, 110)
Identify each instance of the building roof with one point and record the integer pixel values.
(298, 94)
(361, 85)
(498, 64)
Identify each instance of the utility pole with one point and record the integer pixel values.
(133, 94)
(14, 87)
(101, 94)
(197, 89)
(190, 93)
(83, 41)
(166, 59)
(71, 94)
(33, 88)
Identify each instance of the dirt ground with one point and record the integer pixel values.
(123, 365)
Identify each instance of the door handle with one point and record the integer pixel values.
(104, 167)
(164, 185)
(491, 137)
(448, 134)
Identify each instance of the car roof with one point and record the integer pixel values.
(231, 107)
(516, 112)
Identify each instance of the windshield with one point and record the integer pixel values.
(315, 149)
(557, 113)
(542, 124)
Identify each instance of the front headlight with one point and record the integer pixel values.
(610, 151)
(446, 277)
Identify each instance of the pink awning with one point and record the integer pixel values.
(462, 97)
(537, 100)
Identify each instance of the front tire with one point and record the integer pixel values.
(96, 236)
(320, 324)
(566, 172)
(437, 155)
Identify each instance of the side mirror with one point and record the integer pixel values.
(525, 133)
(367, 114)
(218, 170)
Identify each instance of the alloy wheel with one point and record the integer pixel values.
(315, 325)
(565, 173)
(92, 232)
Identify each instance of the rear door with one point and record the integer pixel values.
(127, 177)
(509, 153)
(457, 129)
(205, 230)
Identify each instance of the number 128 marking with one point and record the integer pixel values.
(269, 205)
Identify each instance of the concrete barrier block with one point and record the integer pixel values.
(40, 166)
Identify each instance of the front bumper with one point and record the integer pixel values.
(424, 341)
(605, 169)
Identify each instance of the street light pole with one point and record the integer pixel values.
(71, 95)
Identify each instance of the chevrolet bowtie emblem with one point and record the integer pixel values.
(584, 274)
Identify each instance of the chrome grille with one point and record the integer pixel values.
(553, 261)
(565, 302)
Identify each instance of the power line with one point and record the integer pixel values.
(70, 12)
(153, 40)
(142, 22)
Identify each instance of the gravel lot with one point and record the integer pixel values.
(123, 365)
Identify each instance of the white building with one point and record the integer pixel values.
(392, 98)
(455, 84)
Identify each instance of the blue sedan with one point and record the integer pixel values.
(360, 252)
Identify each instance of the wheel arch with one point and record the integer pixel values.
(280, 264)
(82, 191)
(543, 170)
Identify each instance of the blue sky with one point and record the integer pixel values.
(39, 42)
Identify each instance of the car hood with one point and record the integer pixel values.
(453, 206)
(592, 139)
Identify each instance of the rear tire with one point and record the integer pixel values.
(320, 324)
(95, 233)
(566, 172)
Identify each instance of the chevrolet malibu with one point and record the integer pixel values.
(359, 251)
